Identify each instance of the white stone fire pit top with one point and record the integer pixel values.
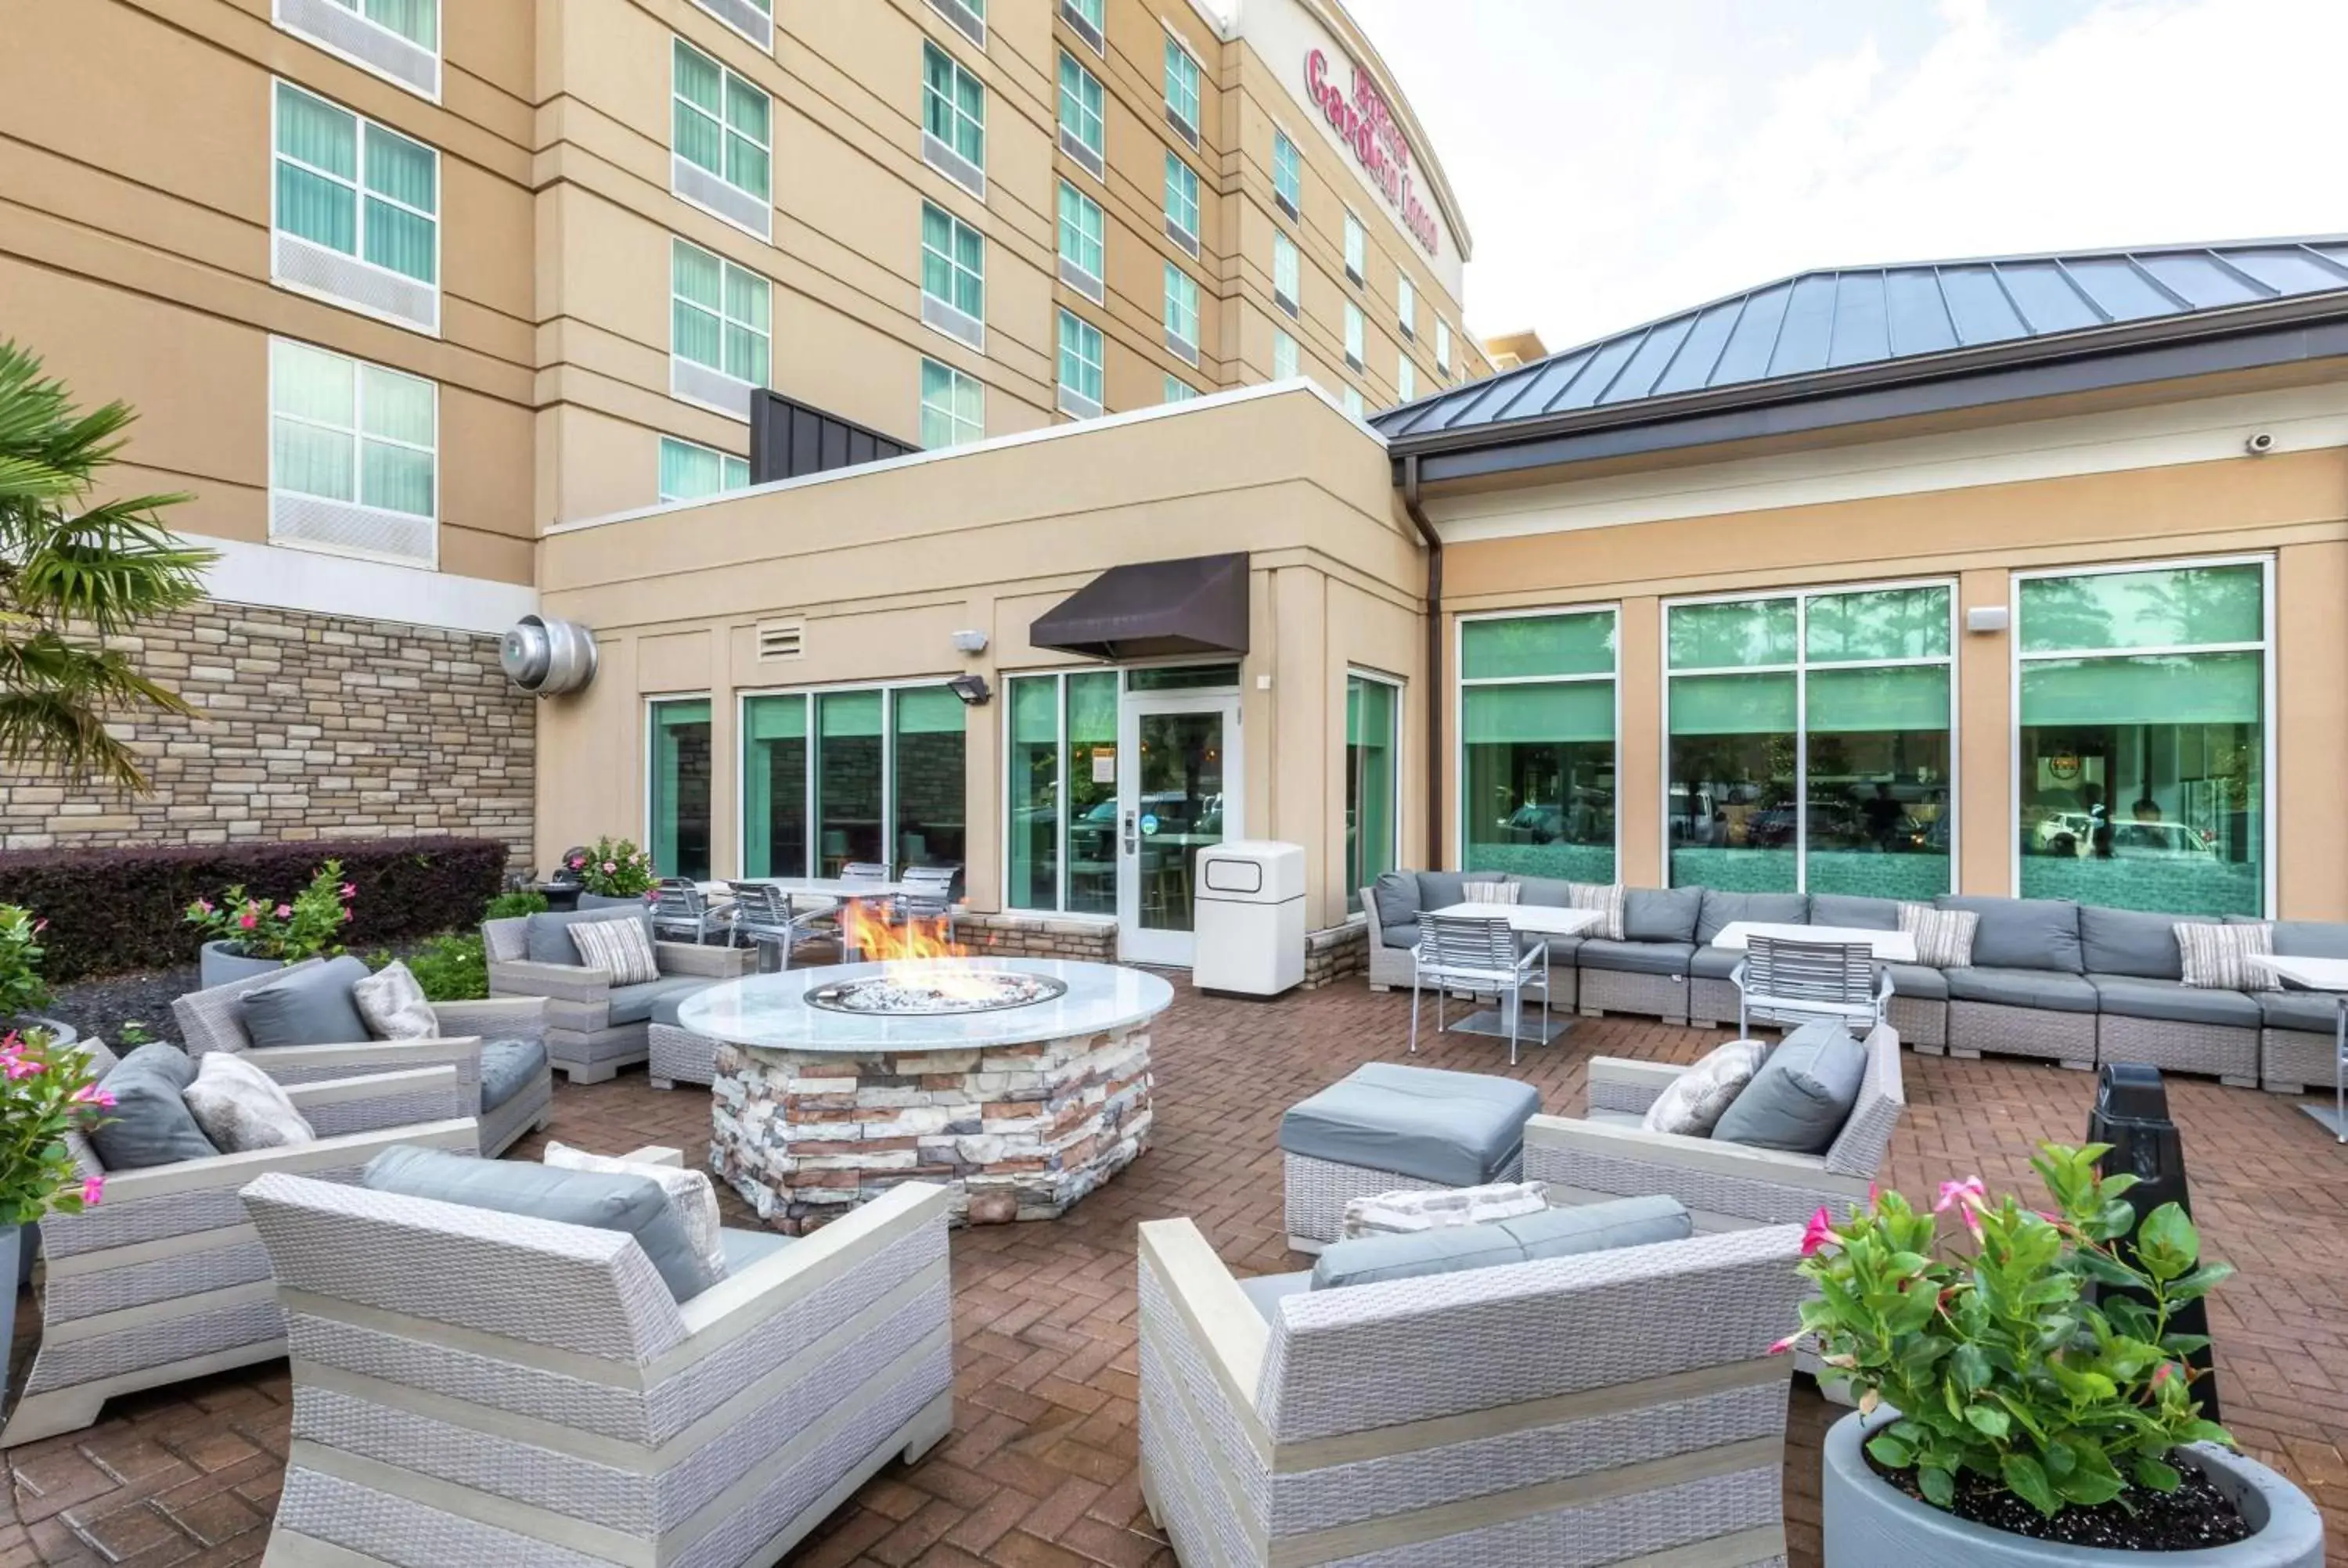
(772, 1010)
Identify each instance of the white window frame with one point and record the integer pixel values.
(1357, 249)
(1405, 379)
(1357, 337)
(1401, 783)
(677, 356)
(1093, 31)
(967, 17)
(961, 377)
(309, 20)
(2265, 647)
(356, 432)
(1093, 285)
(950, 320)
(1461, 683)
(730, 13)
(1292, 205)
(1406, 305)
(361, 196)
(1084, 154)
(1443, 348)
(1181, 291)
(1006, 824)
(1099, 367)
(1182, 184)
(742, 699)
(1187, 129)
(724, 457)
(727, 75)
(1283, 346)
(939, 153)
(1179, 390)
(1286, 250)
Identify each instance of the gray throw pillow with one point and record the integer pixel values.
(632, 1205)
(546, 938)
(308, 1007)
(1396, 893)
(1802, 1095)
(1555, 1233)
(151, 1124)
(1662, 914)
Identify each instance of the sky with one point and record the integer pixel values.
(1620, 161)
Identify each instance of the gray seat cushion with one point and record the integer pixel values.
(1662, 914)
(743, 1248)
(546, 936)
(2023, 933)
(307, 1007)
(1802, 1095)
(1396, 893)
(2314, 1012)
(509, 1066)
(1450, 1128)
(1405, 936)
(1919, 981)
(1854, 912)
(632, 1205)
(1267, 1291)
(635, 1004)
(1658, 958)
(1714, 963)
(149, 1124)
(2173, 1001)
(1564, 952)
(1777, 908)
(1554, 1233)
(1545, 892)
(2038, 989)
(679, 991)
(2309, 938)
(1441, 889)
(2132, 942)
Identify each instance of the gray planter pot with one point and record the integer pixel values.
(60, 1032)
(1869, 1523)
(221, 963)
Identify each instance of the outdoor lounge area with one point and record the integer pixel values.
(1040, 1465)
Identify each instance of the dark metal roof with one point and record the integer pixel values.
(1821, 322)
(1153, 610)
(790, 440)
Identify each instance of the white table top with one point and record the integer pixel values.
(828, 887)
(2315, 974)
(1889, 947)
(1531, 920)
(771, 1012)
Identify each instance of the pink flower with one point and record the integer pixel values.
(2162, 1373)
(1782, 1346)
(347, 915)
(92, 1094)
(610, 867)
(285, 911)
(1968, 1197)
(205, 904)
(1819, 1234)
(93, 1190)
(20, 1068)
(578, 863)
(39, 927)
(350, 890)
(248, 919)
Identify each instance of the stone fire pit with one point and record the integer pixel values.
(1020, 1083)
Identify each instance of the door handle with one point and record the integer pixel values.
(1132, 841)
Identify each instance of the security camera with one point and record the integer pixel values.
(2260, 445)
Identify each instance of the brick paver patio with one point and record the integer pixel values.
(1040, 1471)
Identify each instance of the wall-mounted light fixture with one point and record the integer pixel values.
(971, 689)
(970, 641)
(1987, 618)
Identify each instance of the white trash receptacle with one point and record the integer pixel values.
(1250, 935)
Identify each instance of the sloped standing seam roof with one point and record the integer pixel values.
(1871, 315)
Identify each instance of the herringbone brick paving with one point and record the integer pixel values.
(1040, 1470)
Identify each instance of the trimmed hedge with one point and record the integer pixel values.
(114, 910)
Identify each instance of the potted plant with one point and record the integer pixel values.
(23, 992)
(246, 936)
(614, 872)
(2024, 1402)
(46, 1090)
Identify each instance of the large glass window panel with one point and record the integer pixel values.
(775, 786)
(1032, 771)
(1181, 304)
(1356, 334)
(345, 431)
(418, 21)
(1080, 356)
(1287, 269)
(1090, 704)
(1524, 645)
(1357, 247)
(1182, 84)
(849, 776)
(1080, 107)
(1536, 779)
(692, 472)
(2174, 607)
(1877, 623)
(721, 123)
(954, 263)
(355, 187)
(1285, 364)
(953, 105)
(1082, 231)
(1879, 780)
(1729, 808)
(1287, 170)
(1181, 195)
(680, 788)
(928, 759)
(1733, 633)
(1373, 742)
(953, 406)
(719, 313)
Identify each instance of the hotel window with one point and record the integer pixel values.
(719, 331)
(1287, 175)
(1357, 249)
(2141, 760)
(678, 795)
(1287, 271)
(691, 473)
(1181, 312)
(1284, 355)
(1181, 203)
(1084, 133)
(1061, 793)
(953, 407)
(880, 773)
(1536, 744)
(721, 130)
(1181, 91)
(1443, 348)
(1084, 251)
(354, 456)
(1406, 305)
(953, 121)
(754, 19)
(396, 39)
(1405, 380)
(1353, 403)
(968, 16)
(355, 212)
(1089, 19)
(1373, 782)
(953, 276)
(1356, 337)
(1179, 390)
(1080, 366)
(1809, 742)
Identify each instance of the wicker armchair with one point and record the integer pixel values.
(164, 1280)
(471, 1386)
(1607, 1407)
(215, 1021)
(1726, 1186)
(582, 1040)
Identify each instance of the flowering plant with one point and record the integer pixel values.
(614, 868)
(22, 989)
(302, 927)
(1996, 1362)
(45, 1093)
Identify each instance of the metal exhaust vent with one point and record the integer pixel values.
(547, 658)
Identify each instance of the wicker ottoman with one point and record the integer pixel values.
(1386, 1126)
(678, 1056)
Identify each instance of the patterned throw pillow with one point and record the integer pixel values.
(1391, 1214)
(393, 1005)
(2214, 957)
(1944, 937)
(690, 1193)
(1606, 898)
(1698, 1098)
(618, 948)
(1489, 892)
(241, 1108)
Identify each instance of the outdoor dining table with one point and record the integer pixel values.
(1889, 947)
(1544, 921)
(838, 889)
(2322, 974)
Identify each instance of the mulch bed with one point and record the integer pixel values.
(2194, 1517)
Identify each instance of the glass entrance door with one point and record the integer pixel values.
(1179, 787)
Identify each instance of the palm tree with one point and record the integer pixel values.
(72, 578)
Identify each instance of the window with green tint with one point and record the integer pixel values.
(1080, 358)
(1285, 361)
(1734, 777)
(681, 777)
(355, 187)
(418, 21)
(2143, 774)
(1405, 380)
(1181, 677)
(1183, 88)
(694, 472)
(1356, 334)
(1537, 740)
(927, 726)
(953, 407)
(953, 105)
(343, 430)
(774, 752)
(1876, 624)
(954, 263)
(1517, 646)
(719, 314)
(1080, 107)
(850, 768)
(1732, 634)
(1182, 195)
(1182, 306)
(1061, 784)
(1034, 788)
(1287, 272)
(1179, 390)
(1358, 247)
(1083, 232)
(1091, 11)
(1287, 171)
(721, 123)
(1373, 778)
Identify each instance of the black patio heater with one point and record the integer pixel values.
(2131, 1114)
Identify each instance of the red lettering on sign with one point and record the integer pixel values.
(1364, 122)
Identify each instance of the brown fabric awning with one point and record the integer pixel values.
(1156, 610)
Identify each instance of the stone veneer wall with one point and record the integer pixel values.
(1332, 954)
(305, 727)
(1018, 935)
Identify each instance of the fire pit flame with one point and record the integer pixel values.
(924, 972)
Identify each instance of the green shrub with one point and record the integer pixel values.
(22, 989)
(514, 905)
(451, 967)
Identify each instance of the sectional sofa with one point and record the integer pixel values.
(2073, 983)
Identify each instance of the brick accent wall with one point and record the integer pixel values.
(1332, 954)
(1018, 935)
(307, 726)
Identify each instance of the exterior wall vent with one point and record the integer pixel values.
(343, 30)
(781, 640)
(547, 658)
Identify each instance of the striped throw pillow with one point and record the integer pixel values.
(618, 948)
(1944, 937)
(1489, 892)
(2215, 958)
(1606, 898)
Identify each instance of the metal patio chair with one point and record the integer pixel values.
(769, 918)
(682, 911)
(865, 871)
(929, 894)
(1792, 982)
(1474, 953)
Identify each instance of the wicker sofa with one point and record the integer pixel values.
(1645, 1422)
(593, 1027)
(165, 1281)
(476, 1386)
